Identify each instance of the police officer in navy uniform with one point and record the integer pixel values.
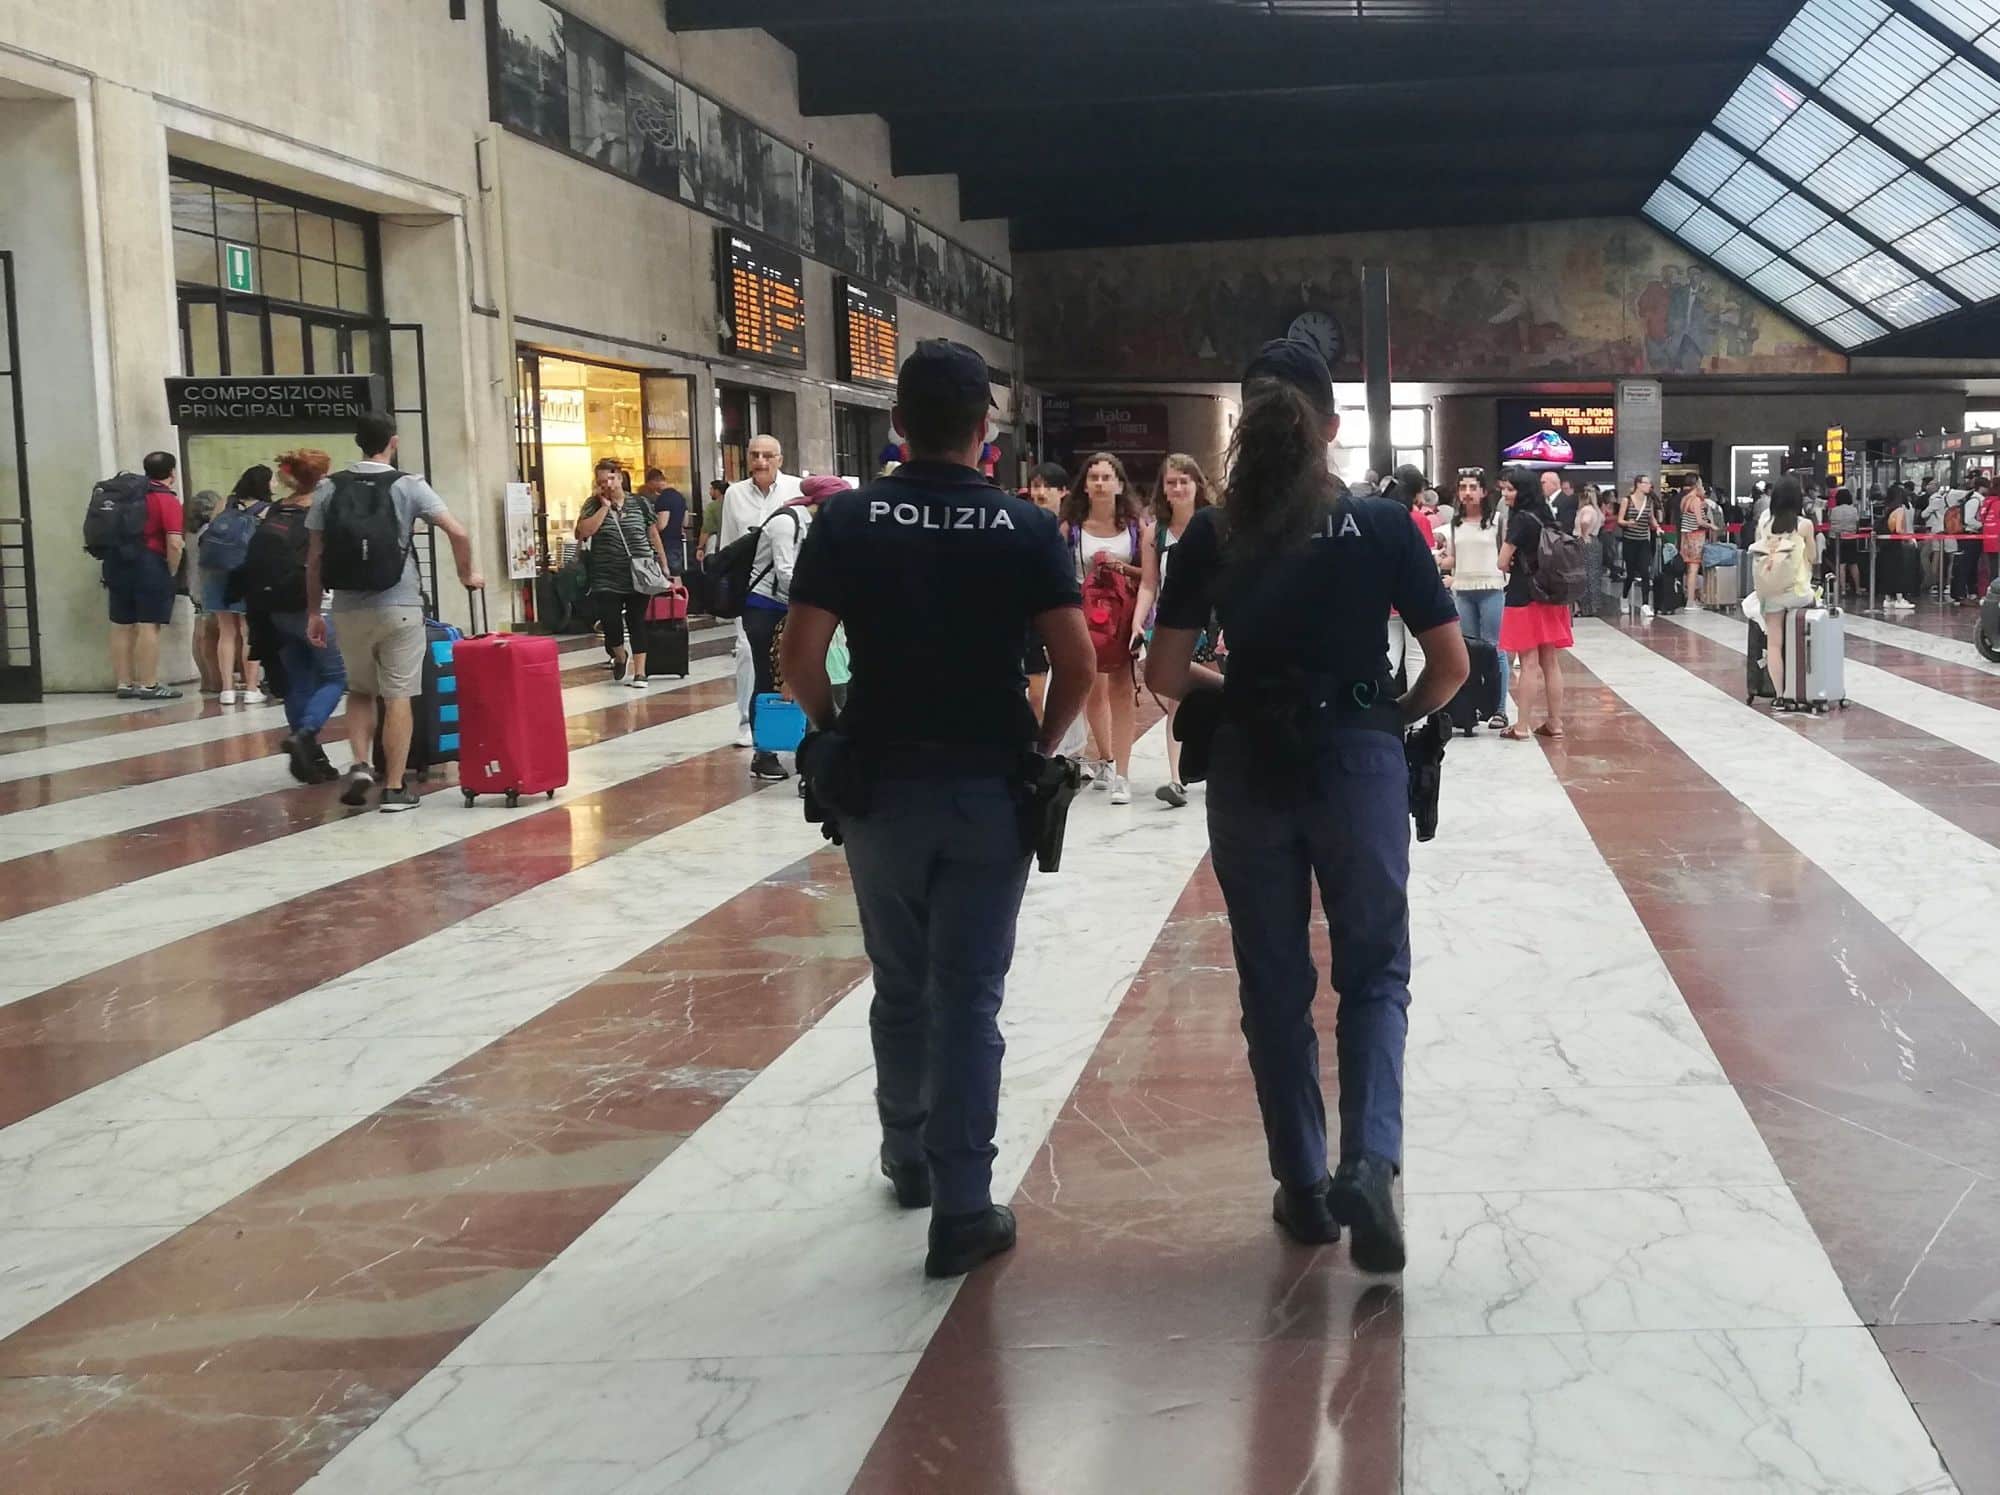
(1309, 781)
(937, 575)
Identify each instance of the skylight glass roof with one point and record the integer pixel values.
(1854, 177)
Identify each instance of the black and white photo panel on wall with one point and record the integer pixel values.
(652, 126)
(533, 69)
(891, 234)
(688, 117)
(781, 189)
(856, 201)
(597, 98)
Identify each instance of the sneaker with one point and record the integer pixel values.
(911, 1181)
(128, 692)
(227, 698)
(743, 737)
(1304, 1215)
(1121, 789)
(1171, 794)
(1099, 775)
(1645, 613)
(617, 668)
(323, 771)
(253, 698)
(155, 693)
(359, 781)
(1361, 1199)
(395, 801)
(302, 749)
(635, 683)
(765, 766)
(961, 1242)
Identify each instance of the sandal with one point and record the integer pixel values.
(1514, 734)
(1552, 733)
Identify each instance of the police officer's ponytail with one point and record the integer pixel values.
(1278, 479)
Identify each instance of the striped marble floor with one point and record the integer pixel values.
(532, 1151)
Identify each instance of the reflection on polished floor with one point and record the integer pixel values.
(533, 1152)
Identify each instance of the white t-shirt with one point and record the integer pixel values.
(745, 506)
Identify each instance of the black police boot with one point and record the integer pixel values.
(1362, 1199)
(961, 1242)
(1305, 1216)
(911, 1181)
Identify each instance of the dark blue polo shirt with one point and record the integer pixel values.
(936, 574)
(1322, 608)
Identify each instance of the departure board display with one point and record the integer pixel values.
(868, 351)
(763, 299)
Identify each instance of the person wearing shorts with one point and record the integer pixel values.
(382, 633)
(139, 584)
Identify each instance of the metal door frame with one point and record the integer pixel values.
(19, 683)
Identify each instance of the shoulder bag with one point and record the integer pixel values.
(648, 580)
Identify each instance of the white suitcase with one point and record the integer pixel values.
(1815, 658)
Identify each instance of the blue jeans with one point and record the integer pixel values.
(939, 869)
(315, 679)
(1352, 836)
(1479, 615)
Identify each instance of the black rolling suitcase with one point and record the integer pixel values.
(434, 714)
(1478, 700)
(667, 649)
(1757, 683)
(1670, 590)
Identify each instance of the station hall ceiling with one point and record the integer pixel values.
(1840, 158)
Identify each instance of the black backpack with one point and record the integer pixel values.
(728, 570)
(114, 522)
(363, 547)
(273, 575)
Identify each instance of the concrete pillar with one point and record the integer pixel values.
(44, 219)
(1641, 429)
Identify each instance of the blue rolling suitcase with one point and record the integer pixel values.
(781, 725)
(434, 714)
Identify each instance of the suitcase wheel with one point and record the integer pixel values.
(550, 795)
(513, 799)
(470, 799)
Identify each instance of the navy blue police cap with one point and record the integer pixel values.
(1297, 364)
(940, 371)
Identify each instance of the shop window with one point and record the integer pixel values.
(670, 429)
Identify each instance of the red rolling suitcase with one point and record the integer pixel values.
(513, 739)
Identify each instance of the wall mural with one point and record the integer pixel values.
(1591, 299)
(563, 83)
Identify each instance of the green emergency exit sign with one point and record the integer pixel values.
(236, 265)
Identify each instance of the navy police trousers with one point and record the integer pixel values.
(939, 872)
(1352, 836)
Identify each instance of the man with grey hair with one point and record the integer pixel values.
(745, 506)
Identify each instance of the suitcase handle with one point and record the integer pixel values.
(478, 616)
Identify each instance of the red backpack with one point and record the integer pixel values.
(1110, 600)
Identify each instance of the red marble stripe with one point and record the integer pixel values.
(1869, 1076)
(59, 734)
(1944, 778)
(44, 879)
(343, 1278)
(149, 768)
(61, 1042)
(1152, 1317)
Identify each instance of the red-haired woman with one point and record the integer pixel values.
(1109, 533)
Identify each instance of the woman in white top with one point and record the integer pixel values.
(1589, 525)
(1472, 569)
(1109, 534)
(1183, 491)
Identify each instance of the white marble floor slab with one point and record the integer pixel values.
(1971, 725)
(50, 827)
(1946, 650)
(836, 1274)
(171, 1140)
(1883, 848)
(50, 946)
(1703, 1412)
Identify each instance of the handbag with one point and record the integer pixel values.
(1110, 602)
(648, 580)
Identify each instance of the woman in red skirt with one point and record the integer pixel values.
(1536, 631)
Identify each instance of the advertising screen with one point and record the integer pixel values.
(1580, 435)
(763, 291)
(866, 341)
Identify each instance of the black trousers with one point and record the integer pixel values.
(1641, 560)
(620, 612)
(760, 625)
